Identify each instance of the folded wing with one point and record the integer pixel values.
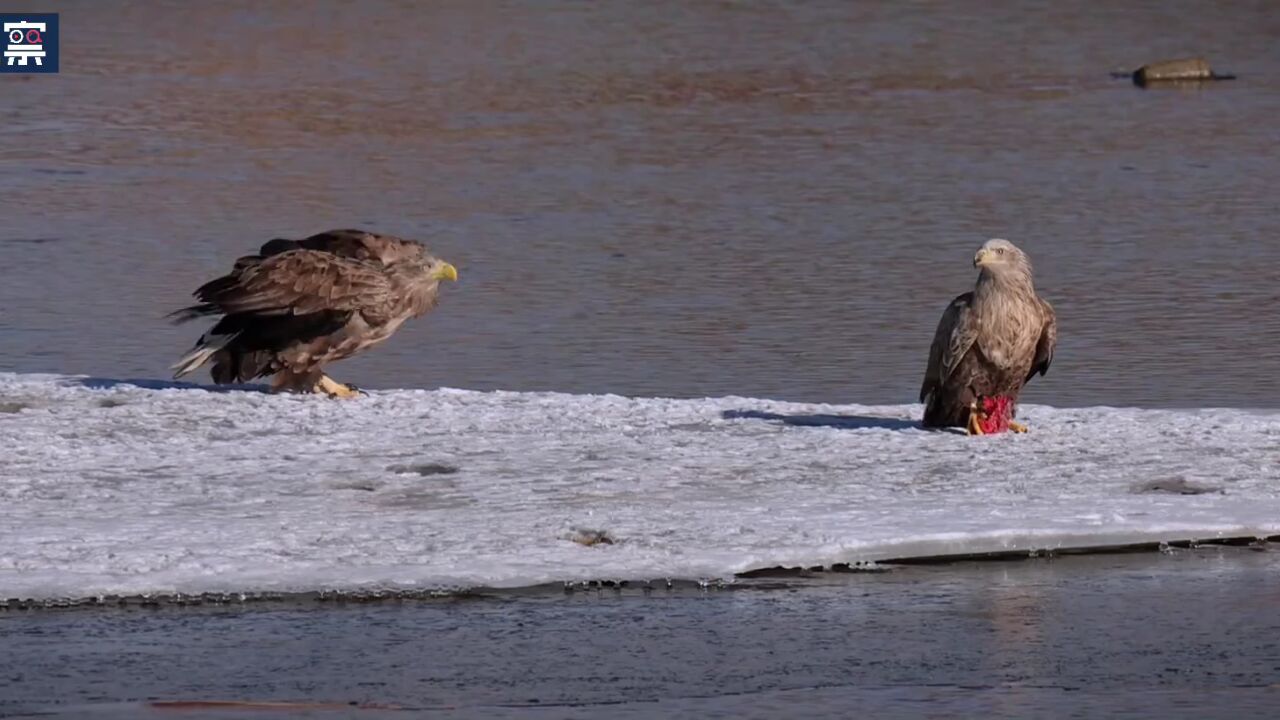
(956, 333)
(1047, 343)
(299, 282)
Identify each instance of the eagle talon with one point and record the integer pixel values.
(976, 417)
(991, 415)
(337, 390)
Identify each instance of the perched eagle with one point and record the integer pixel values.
(988, 345)
(299, 304)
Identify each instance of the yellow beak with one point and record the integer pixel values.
(446, 271)
(981, 258)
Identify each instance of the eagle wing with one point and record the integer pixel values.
(355, 244)
(301, 282)
(1046, 344)
(957, 331)
(342, 243)
(334, 270)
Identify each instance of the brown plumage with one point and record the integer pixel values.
(300, 304)
(990, 342)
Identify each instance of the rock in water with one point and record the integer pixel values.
(1187, 69)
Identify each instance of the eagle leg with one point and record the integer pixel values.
(335, 389)
(976, 416)
(1017, 427)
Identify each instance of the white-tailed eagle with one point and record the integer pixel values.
(300, 304)
(988, 345)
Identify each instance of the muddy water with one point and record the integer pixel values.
(754, 198)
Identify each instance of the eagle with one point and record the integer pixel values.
(299, 304)
(988, 345)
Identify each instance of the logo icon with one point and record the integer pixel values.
(31, 43)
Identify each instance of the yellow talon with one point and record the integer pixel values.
(975, 425)
(335, 389)
(1017, 427)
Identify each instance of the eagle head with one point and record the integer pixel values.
(440, 270)
(998, 255)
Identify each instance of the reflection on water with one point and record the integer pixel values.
(669, 198)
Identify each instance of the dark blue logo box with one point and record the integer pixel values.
(29, 43)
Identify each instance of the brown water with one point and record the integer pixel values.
(676, 198)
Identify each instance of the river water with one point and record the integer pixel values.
(688, 199)
(1190, 634)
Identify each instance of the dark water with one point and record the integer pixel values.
(1190, 635)
(755, 198)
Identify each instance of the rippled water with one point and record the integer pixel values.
(763, 199)
(1185, 635)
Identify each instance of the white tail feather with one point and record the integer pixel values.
(205, 348)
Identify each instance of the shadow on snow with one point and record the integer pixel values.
(847, 422)
(97, 383)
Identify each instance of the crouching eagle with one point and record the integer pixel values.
(299, 304)
(988, 345)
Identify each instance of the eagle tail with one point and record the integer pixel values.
(193, 312)
(204, 349)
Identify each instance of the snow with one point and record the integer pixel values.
(122, 488)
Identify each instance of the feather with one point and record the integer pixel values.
(205, 348)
